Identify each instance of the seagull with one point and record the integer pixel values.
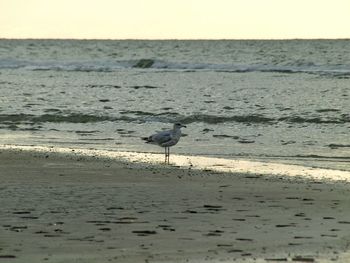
(166, 139)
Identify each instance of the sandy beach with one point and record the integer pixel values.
(59, 208)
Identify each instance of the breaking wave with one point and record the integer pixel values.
(165, 117)
(111, 66)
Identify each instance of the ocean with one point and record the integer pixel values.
(283, 101)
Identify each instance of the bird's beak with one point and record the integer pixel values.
(183, 126)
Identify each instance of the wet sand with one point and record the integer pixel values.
(59, 208)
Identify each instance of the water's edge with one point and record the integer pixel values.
(208, 164)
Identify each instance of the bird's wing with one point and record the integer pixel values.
(162, 137)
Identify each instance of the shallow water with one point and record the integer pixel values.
(281, 100)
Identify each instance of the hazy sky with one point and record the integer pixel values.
(120, 19)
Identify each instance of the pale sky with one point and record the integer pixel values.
(175, 19)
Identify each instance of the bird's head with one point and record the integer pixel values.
(179, 125)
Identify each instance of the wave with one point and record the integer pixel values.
(71, 118)
(343, 118)
(144, 64)
(260, 119)
(165, 117)
(213, 119)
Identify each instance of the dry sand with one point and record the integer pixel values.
(60, 208)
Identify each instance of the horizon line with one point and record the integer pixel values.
(176, 39)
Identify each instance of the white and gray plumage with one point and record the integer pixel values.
(166, 139)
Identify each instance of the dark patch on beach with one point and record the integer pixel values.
(58, 230)
(225, 136)
(21, 212)
(86, 238)
(188, 211)
(228, 108)
(99, 221)
(336, 146)
(143, 63)
(252, 176)
(215, 208)
(287, 142)
(303, 237)
(238, 198)
(244, 239)
(166, 227)
(286, 225)
(214, 233)
(41, 232)
(145, 87)
(252, 216)
(103, 86)
(144, 232)
(224, 245)
(29, 217)
(115, 208)
(167, 108)
(300, 215)
(303, 259)
(7, 256)
(246, 141)
(308, 199)
(327, 110)
(344, 222)
(105, 229)
(206, 130)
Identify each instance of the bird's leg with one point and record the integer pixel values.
(168, 155)
(165, 152)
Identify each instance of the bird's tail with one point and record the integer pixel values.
(147, 139)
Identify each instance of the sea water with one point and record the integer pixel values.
(281, 101)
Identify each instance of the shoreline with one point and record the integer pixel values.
(200, 163)
(65, 208)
